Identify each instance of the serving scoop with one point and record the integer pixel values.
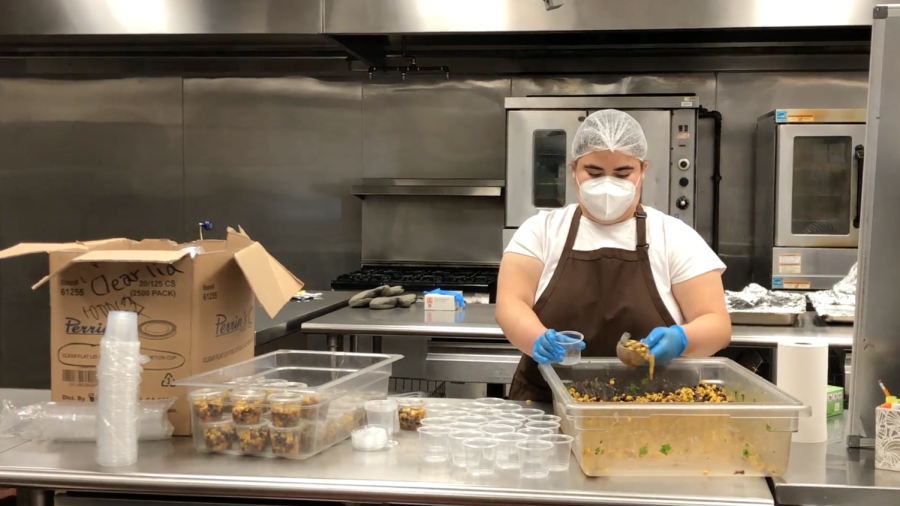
(628, 356)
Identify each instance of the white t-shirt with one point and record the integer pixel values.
(677, 252)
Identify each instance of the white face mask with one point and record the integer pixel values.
(606, 197)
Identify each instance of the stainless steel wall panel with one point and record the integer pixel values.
(433, 16)
(741, 98)
(278, 157)
(79, 160)
(159, 17)
(433, 229)
(430, 128)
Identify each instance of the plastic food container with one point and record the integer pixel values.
(306, 401)
(369, 438)
(247, 406)
(410, 412)
(750, 436)
(252, 439)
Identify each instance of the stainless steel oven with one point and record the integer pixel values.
(540, 131)
(808, 174)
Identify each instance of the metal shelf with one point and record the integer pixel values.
(430, 187)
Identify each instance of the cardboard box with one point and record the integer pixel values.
(835, 401)
(437, 302)
(195, 309)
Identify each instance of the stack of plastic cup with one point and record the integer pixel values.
(118, 390)
(383, 413)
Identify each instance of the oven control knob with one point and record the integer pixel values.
(683, 182)
(684, 164)
(682, 203)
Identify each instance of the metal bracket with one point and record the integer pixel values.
(880, 11)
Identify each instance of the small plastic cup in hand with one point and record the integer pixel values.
(457, 450)
(534, 458)
(507, 453)
(434, 443)
(481, 456)
(534, 433)
(552, 426)
(562, 451)
(573, 354)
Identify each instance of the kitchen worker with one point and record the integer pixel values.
(608, 265)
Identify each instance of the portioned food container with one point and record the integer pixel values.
(730, 422)
(288, 403)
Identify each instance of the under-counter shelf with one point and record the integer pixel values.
(430, 187)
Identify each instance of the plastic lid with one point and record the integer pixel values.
(248, 394)
(207, 392)
(286, 397)
(122, 326)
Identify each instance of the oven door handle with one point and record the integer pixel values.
(859, 156)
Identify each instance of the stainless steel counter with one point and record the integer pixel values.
(830, 474)
(477, 320)
(295, 313)
(341, 474)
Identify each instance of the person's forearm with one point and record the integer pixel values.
(519, 323)
(707, 334)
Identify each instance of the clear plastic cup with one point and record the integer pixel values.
(562, 451)
(457, 450)
(513, 416)
(485, 412)
(492, 429)
(477, 420)
(544, 418)
(469, 406)
(534, 433)
(552, 426)
(369, 438)
(383, 413)
(572, 354)
(437, 409)
(481, 456)
(437, 421)
(434, 443)
(526, 412)
(515, 424)
(456, 426)
(454, 413)
(508, 407)
(490, 402)
(507, 453)
(534, 458)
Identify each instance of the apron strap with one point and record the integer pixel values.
(640, 241)
(561, 263)
(642, 247)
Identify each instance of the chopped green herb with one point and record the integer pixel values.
(665, 449)
(746, 451)
(599, 451)
(643, 451)
(768, 427)
(645, 381)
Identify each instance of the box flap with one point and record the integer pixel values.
(112, 243)
(272, 284)
(238, 240)
(124, 256)
(29, 248)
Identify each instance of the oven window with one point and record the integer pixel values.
(549, 168)
(820, 192)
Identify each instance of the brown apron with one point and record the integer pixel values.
(600, 293)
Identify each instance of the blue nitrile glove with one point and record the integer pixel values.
(456, 295)
(546, 347)
(666, 343)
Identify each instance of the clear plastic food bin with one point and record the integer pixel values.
(291, 404)
(749, 436)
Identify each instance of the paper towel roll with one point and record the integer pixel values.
(802, 371)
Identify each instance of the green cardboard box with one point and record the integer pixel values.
(835, 404)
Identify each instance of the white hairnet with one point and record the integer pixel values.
(610, 130)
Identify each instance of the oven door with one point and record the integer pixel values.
(816, 185)
(537, 160)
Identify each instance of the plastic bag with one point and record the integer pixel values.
(75, 421)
